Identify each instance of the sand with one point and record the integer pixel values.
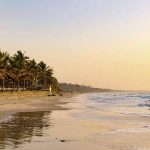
(11, 103)
(121, 133)
(70, 129)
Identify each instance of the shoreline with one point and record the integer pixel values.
(30, 101)
(78, 124)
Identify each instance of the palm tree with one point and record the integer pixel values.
(46, 78)
(18, 67)
(42, 68)
(4, 58)
(54, 83)
(18, 70)
(32, 70)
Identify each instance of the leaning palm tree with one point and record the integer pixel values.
(52, 81)
(46, 78)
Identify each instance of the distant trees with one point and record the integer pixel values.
(20, 72)
(68, 87)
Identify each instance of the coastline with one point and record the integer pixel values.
(78, 126)
(86, 127)
(30, 101)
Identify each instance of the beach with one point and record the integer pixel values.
(11, 103)
(74, 74)
(107, 121)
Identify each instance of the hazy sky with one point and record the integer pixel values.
(103, 43)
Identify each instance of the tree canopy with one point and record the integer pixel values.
(21, 72)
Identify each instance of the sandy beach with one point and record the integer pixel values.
(11, 103)
(74, 74)
(108, 128)
(75, 122)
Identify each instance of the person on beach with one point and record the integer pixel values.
(50, 91)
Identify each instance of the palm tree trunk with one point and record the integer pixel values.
(31, 85)
(27, 85)
(24, 84)
(17, 86)
(13, 85)
(3, 85)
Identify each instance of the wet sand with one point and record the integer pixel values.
(110, 131)
(11, 103)
(71, 125)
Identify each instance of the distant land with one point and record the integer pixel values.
(68, 87)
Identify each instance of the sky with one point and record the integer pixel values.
(102, 43)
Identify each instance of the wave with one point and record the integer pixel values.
(121, 101)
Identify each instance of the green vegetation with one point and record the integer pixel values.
(80, 88)
(18, 72)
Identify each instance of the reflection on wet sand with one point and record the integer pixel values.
(22, 127)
